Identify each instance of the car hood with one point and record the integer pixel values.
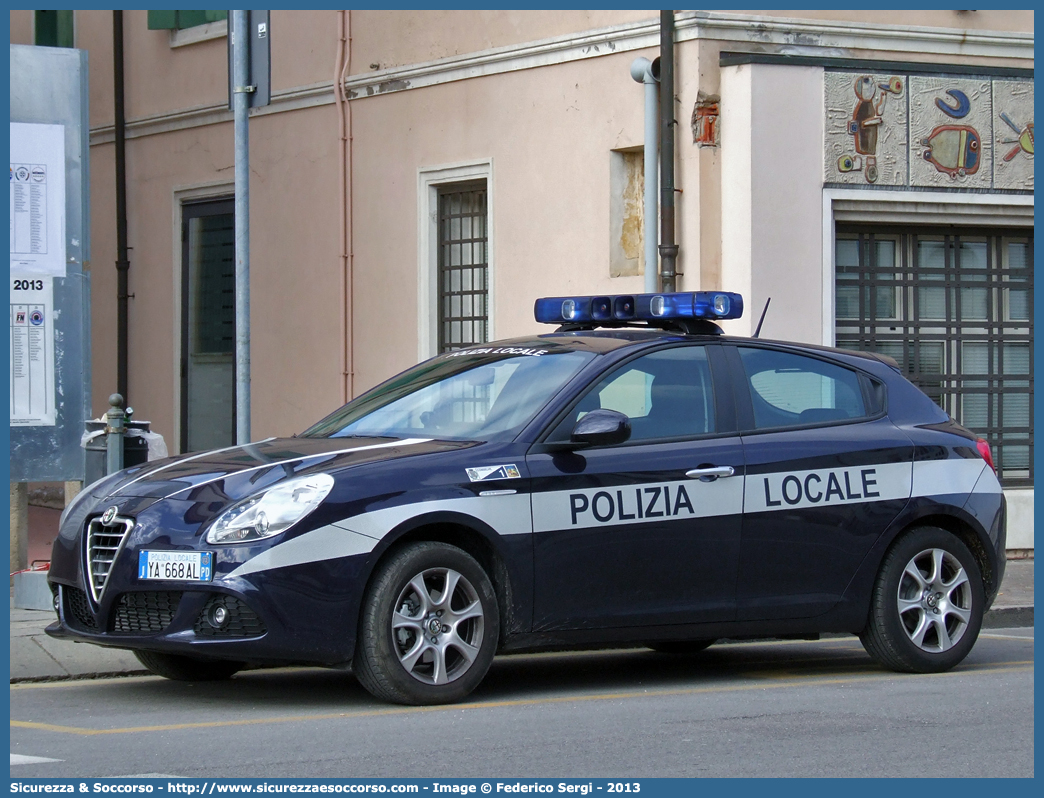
(239, 471)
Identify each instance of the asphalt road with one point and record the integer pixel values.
(788, 708)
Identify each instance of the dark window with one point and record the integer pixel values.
(53, 28)
(179, 20)
(208, 326)
(790, 390)
(463, 266)
(956, 313)
(665, 394)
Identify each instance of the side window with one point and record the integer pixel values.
(790, 390)
(665, 394)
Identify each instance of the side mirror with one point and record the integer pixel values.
(601, 428)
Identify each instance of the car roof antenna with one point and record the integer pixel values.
(761, 321)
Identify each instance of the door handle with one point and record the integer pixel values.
(713, 472)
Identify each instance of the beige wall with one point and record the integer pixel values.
(394, 38)
(295, 313)
(550, 189)
(21, 27)
(972, 20)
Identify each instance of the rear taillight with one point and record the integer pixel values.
(987, 455)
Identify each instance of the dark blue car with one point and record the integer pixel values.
(634, 477)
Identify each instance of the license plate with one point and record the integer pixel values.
(176, 566)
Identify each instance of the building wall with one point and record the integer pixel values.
(772, 198)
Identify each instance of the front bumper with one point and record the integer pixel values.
(299, 614)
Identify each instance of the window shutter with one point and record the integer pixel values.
(163, 20)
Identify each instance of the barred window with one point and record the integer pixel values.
(955, 310)
(463, 270)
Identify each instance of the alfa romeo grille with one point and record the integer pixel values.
(104, 542)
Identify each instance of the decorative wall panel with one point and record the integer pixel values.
(1013, 134)
(928, 131)
(866, 129)
(951, 145)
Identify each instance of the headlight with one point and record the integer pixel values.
(271, 512)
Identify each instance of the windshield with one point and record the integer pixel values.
(478, 394)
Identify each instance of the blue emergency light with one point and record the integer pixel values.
(610, 310)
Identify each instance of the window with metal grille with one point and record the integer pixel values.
(463, 266)
(955, 310)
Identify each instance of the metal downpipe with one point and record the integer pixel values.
(122, 261)
(668, 246)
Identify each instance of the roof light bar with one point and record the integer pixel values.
(710, 305)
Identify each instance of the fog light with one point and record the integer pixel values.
(56, 603)
(218, 616)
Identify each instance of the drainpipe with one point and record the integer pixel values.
(122, 263)
(342, 68)
(342, 236)
(668, 247)
(646, 72)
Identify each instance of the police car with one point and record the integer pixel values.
(634, 477)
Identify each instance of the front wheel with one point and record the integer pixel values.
(428, 628)
(187, 669)
(927, 604)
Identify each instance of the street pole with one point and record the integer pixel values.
(115, 427)
(240, 104)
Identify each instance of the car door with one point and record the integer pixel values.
(827, 471)
(645, 532)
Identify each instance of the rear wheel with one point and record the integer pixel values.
(681, 646)
(187, 669)
(927, 604)
(429, 626)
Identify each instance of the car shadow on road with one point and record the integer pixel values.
(515, 678)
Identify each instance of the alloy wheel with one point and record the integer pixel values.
(437, 626)
(934, 600)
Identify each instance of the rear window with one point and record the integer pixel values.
(790, 390)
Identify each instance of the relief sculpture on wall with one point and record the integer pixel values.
(950, 124)
(866, 129)
(1013, 126)
(928, 131)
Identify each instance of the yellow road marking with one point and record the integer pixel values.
(1006, 637)
(760, 685)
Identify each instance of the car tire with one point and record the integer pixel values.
(418, 642)
(188, 669)
(927, 604)
(681, 646)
